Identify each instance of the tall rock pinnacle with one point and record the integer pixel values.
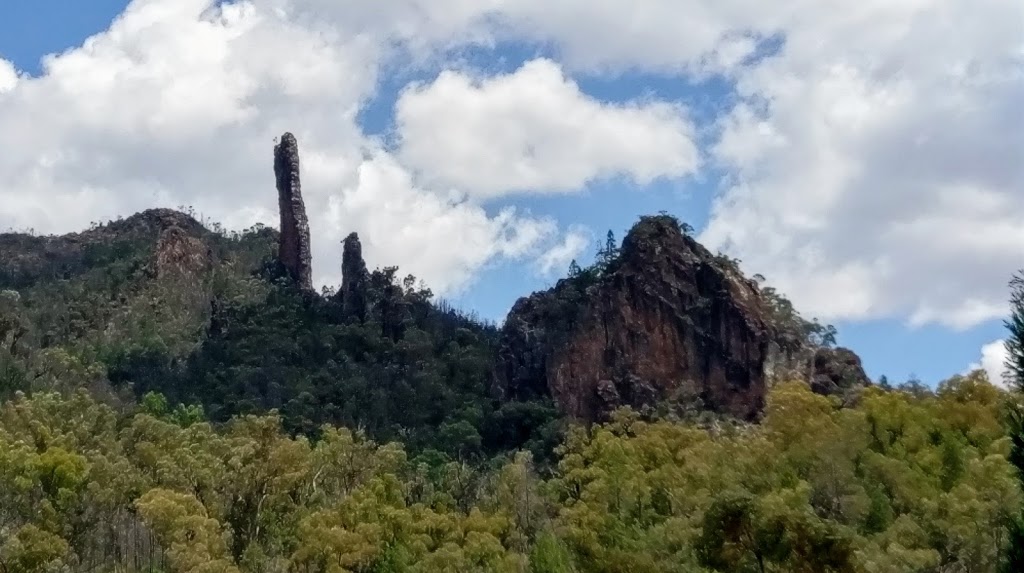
(353, 278)
(294, 251)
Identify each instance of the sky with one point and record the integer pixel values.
(867, 158)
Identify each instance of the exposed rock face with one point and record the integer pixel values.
(180, 254)
(668, 321)
(294, 250)
(837, 370)
(12, 324)
(353, 278)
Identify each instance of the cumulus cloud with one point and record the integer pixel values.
(876, 153)
(176, 101)
(558, 257)
(179, 102)
(872, 162)
(402, 222)
(534, 130)
(993, 362)
(8, 76)
(666, 36)
(876, 163)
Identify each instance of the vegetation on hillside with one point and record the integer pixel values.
(899, 483)
(223, 421)
(241, 340)
(1015, 415)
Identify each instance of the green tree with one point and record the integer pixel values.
(739, 536)
(609, 253)
(1015, 326)
(1015, 553)
(549, 555)
(574, 269)
(32, 550)
(1015, 365)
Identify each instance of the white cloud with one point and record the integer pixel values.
(557, 258)
(661, 35)
(442, 243)
(876, 163)
(878, 152)
(993, 362)
(179, 102)
(534, 130)
(873, 163)
(8, 76)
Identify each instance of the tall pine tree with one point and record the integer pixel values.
(1015, 342)
(607, 255)
(1015, 366)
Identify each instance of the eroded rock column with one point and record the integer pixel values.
(353, 278)
(294, 251)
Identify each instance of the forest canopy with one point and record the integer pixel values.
(900, 482)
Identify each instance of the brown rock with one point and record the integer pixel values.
(294, 250)
(668, 319)
(837, 370)
(180, 254)
(353, 278)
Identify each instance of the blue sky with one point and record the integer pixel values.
(30, 30)
(878, 328)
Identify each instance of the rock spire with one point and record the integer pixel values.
(294, 251)
(353, 278)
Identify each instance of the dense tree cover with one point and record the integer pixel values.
(1015, 412)
(899, 483)
(241, 339)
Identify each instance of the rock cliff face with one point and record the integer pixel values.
(666, 321)
(294, 250)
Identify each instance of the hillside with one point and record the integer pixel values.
(156, 302)
(230, 322)
(177, 397)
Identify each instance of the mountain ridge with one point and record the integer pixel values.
(159, 302)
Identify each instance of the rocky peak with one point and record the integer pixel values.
(294, 249)
(353, 278)
(837, 370)
(665, 321)
(25, 259)
(157, 221)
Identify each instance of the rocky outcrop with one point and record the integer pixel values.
(13, 326)
(26, 258)
(179, 254)
(294, 249)
(837, 370)
(353, 278)
(666, 320)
